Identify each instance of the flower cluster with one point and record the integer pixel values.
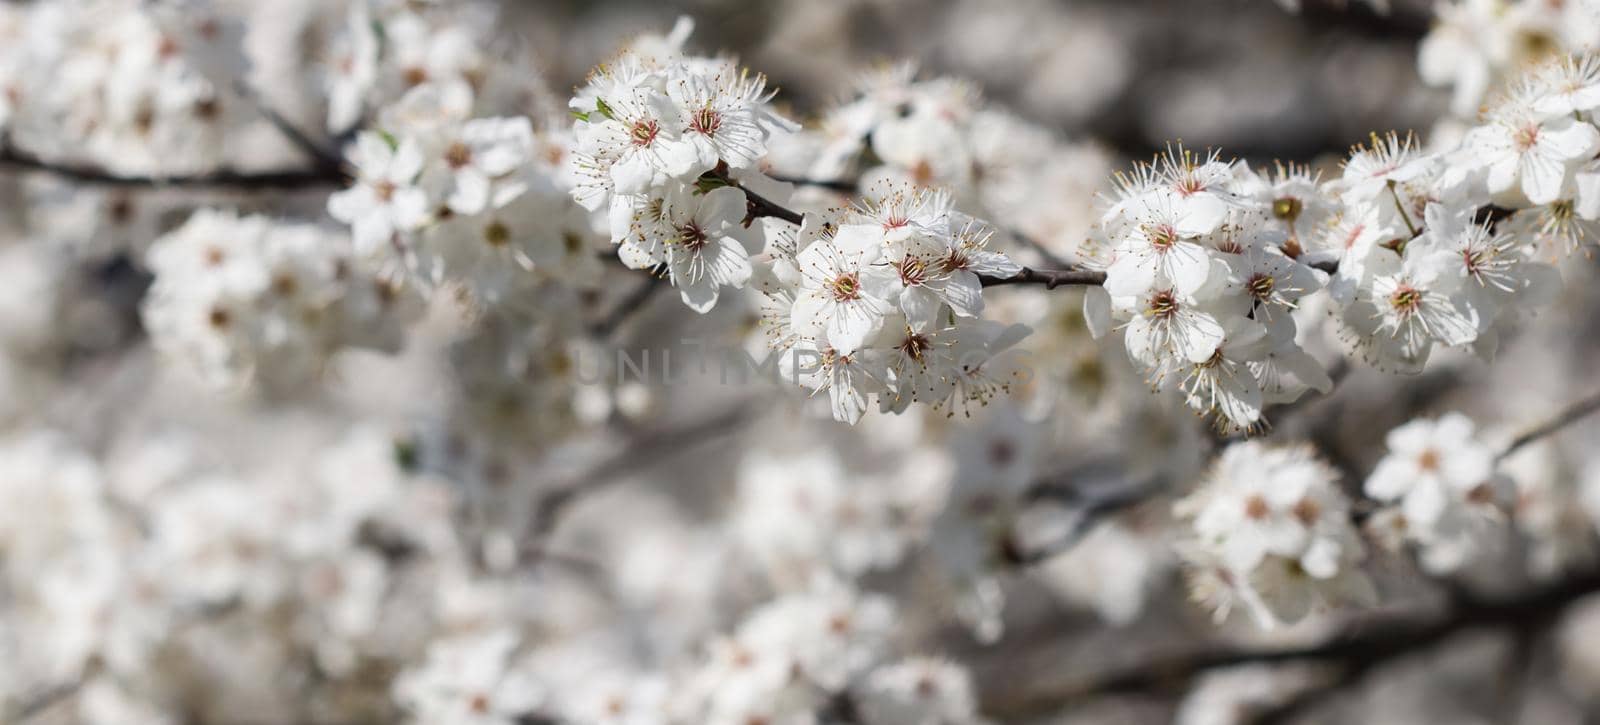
(1477, 44)
(138, 88)
(471, 202)
(885, 300)
(937, 133)
(157, 555)
(237, 298)
(1447, 496)
(1205, 268)
(1271, 533)
(383, 49)
(649, 126)
(1207, 261)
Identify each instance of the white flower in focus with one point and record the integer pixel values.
(705, 252)
(837, 302)
(1527, 152)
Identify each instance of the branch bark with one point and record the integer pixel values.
(1569, 415)
(19, 160)
(1375, 643)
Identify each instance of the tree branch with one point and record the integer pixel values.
(1050, 278)
(1372, 644)
(17, 159)
(635, 453)
(1571, 414)
(628, 306)
(326, 160)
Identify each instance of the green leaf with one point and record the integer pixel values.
(389, 138)
(580, 115)
(708, 182)
(605, 110)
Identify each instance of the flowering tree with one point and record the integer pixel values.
(351, 374)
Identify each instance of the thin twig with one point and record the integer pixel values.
(1088, 505)
(628, 307)
(843, 186)
(324, 158)
(643, 449)
(42, 702)
(1038, 247)
(1571, 414)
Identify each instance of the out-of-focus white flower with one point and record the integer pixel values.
(1273, 529)
(1446, 490)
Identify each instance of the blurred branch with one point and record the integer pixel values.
(1371, 645)
(1569, 415)
(17, 159)
(42, 702)
(628, 306)
(643, 450)
(1087, 506)
(326, 160)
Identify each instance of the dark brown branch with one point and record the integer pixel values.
(1050, 278)
(18, 160)
(1571, 414)
(1372, 644)
(1089, 493)
(759, 206)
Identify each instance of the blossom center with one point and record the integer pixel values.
(1255, 508)
(1429, 460)
(1406, 300)
(497, 234)
(1261, 286)
(706, 121)
(915, 346)
(845, 287)
(644, 133)
(458, 155)
(1163, 304)
(694, 238)
(913, 271)
(1526, 136)
(1307, 511)
(1163, 237)
(1287, 208)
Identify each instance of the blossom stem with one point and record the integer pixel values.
(1402, 209)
